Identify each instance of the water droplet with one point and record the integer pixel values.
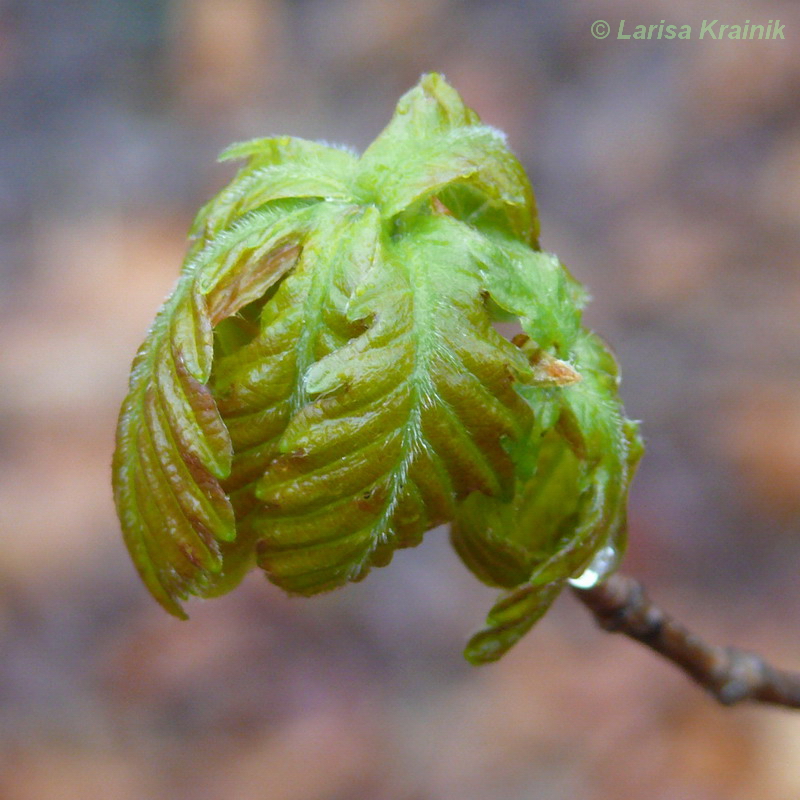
(603, 564)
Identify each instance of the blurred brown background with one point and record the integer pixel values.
(668, 175)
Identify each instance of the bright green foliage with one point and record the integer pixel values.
(326, 382)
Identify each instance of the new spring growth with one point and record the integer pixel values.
(327, 382)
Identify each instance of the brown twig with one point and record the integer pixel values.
(621, 605)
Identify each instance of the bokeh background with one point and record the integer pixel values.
(668, 176)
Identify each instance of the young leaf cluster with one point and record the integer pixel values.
(327, 382)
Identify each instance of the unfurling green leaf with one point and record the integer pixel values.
(326, 383)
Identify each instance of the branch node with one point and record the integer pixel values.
(621, 605)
